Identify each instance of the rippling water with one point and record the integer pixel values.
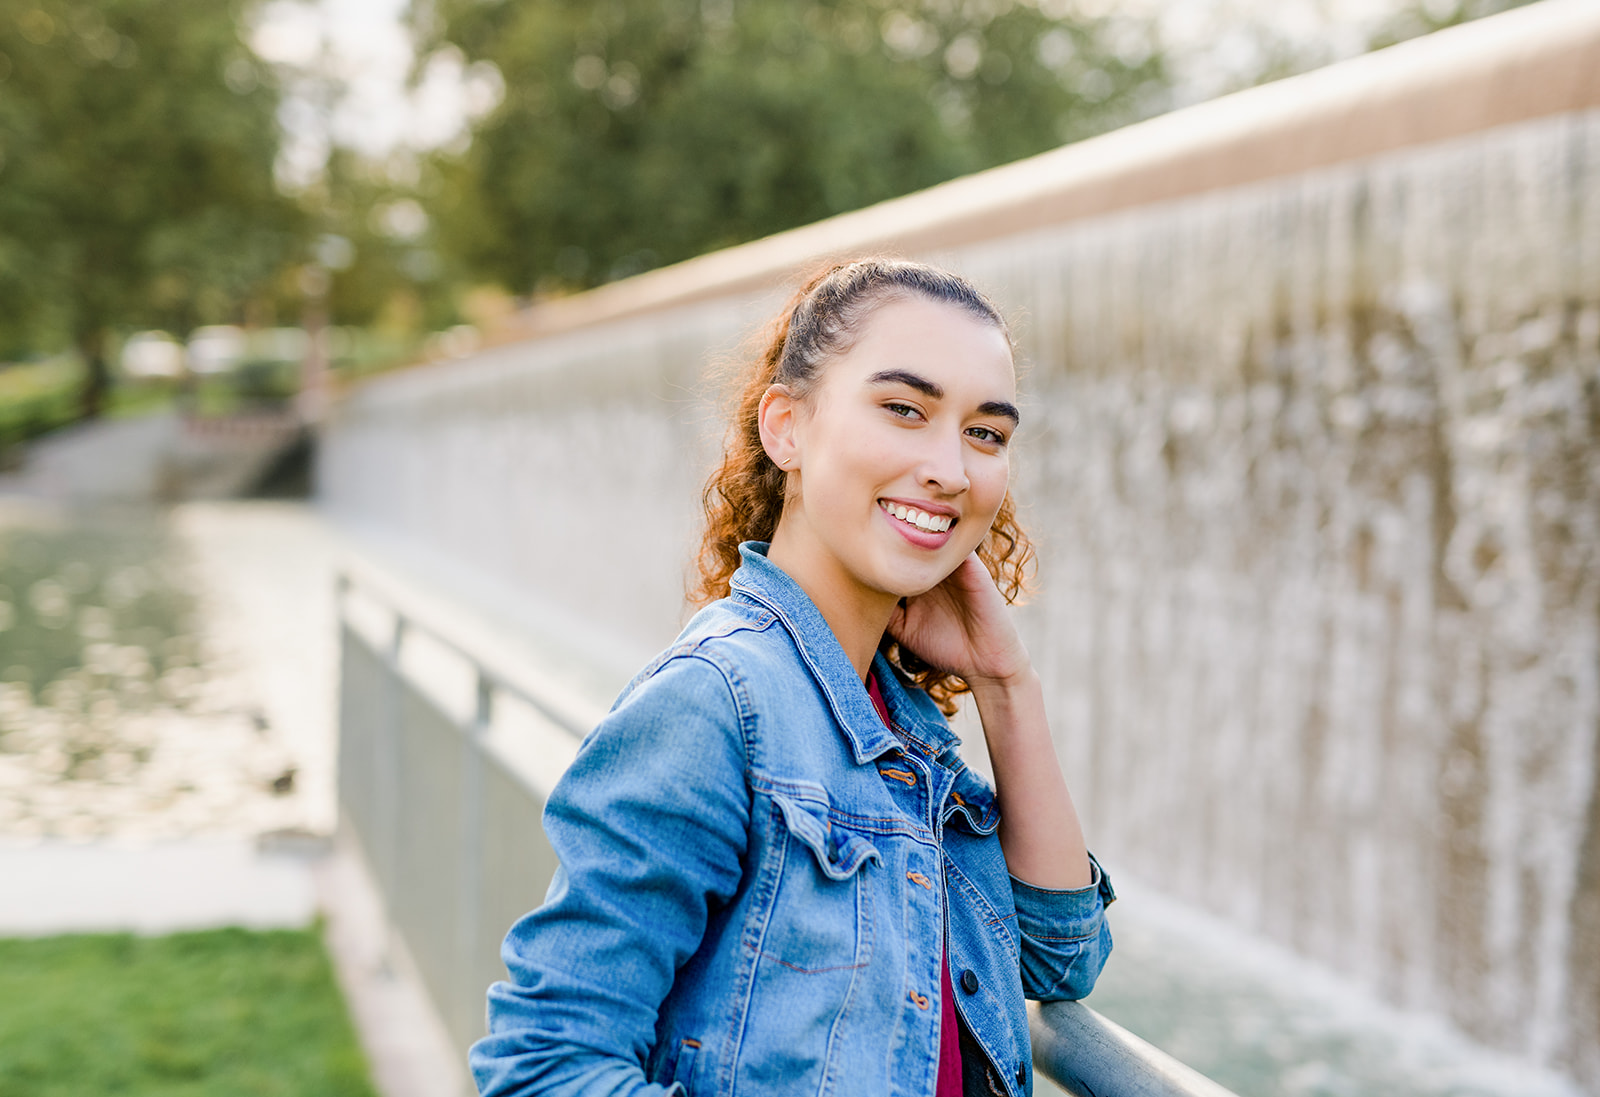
(95, 624)
(114, 720)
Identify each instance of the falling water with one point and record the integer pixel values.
(1318, 470)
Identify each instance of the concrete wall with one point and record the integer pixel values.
(1311, 450)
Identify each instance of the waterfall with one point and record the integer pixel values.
(1316, 468)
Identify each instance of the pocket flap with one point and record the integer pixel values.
(839, 852)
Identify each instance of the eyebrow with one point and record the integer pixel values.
(936, 392)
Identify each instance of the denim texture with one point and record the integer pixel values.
(753, 885)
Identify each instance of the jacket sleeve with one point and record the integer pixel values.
(649, 824)
(1065, 936)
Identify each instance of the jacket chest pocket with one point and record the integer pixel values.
(821, 910)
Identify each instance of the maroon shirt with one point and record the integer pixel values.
(949, 1040)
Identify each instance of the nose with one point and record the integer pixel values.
(944, 468)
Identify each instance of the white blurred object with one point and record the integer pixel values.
(152, 354)
(215, 349)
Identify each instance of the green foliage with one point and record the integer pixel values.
(36, 398)
(378, 239)
(639, 132)
(137, 140)
(226, 1012)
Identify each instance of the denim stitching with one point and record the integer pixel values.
(864, 942)
(1091, 935)
(897, 826)
(752, 938)
(813, 970)
(763, 893)
(970, 890)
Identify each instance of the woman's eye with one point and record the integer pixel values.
(904, 411)
(987, 434)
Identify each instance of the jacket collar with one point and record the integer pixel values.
(765, 582)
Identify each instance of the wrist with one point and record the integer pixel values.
(1011, 683)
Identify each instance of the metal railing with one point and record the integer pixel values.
(448, 823)
(447, 813)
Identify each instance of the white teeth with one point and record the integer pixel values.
(930, 523)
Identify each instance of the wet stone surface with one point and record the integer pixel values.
(118, 717)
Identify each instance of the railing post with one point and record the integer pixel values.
(469, 906)
(348, 770)
(387, 766)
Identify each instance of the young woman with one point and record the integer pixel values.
(777, 875)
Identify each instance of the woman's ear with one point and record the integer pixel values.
(777, 419)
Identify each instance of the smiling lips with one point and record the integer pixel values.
(919, 520)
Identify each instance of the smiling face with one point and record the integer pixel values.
(898, 458)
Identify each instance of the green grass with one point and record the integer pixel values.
(37, 398)
(224, 1012)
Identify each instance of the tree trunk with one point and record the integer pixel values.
(97, 373)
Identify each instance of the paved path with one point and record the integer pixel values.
(197, 883)
(265, 574)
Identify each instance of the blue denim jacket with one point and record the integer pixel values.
(758, 881)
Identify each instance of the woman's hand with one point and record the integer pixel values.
(961, 626)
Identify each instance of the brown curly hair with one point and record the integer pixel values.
(744, 497)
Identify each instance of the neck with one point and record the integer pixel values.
(855, 614)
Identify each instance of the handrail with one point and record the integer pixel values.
(1090, 1056)
(489, 681)
(1073, 1046)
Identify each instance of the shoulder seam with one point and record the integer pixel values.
(731, 682)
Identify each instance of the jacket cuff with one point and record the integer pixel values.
(1051, 911)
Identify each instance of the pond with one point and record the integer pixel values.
(114, 719)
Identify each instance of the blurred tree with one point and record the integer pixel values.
(385, 235)
(137, 141)
(638, 132)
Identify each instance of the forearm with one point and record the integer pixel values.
(1039, 829)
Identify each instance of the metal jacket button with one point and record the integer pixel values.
(1022, 1074)
(969, 981)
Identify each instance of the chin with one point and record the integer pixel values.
(906, 582)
